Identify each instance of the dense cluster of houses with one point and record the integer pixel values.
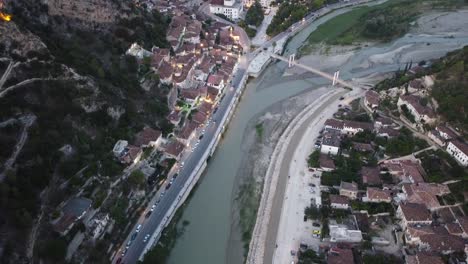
(431, 227)
(198, 67)
(414, 99)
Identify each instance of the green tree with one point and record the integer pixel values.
(254, 15)
(136, 179)
(313, 160)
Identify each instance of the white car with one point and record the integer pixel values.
(138, 228)
(145, 239)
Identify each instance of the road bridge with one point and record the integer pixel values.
(291, 62)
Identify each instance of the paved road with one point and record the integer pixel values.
(150, 224)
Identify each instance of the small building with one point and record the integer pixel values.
(119, 148)
(353, 127)
(98, 225)
(340, 256)
(339, 202)
(363, 147)
(72, 211)
(382, 122)
(370, 176)
(387, 132)
(174, 149)
(340, 233)
(330, 142)
(148, 137)
(372, 99)
(349, 190)
(425, 193)
(375, 195)
(326, 163)
(334, 124)
(131, 155)
(414, 214)
(424, 258)
(459, 151)
(422, 114)
(230, 8)
(216, 81)
(444, 244)
(441, 135)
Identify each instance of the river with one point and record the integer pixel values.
(209, 238)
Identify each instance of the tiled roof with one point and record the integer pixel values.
(377, 194)
(349, 186)
(338, 199)
(338, 124)
(371, 175)
(326, 162)
(145, 136)
(415, 212)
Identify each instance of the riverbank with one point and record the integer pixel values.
(414, 45)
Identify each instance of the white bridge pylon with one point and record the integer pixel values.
(291, 60)
(335, 78)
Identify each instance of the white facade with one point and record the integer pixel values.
(460, 156)
(339, 206)
(231, 9)
(119, 147)
(264, 3)
(343, 234)
(419, 117)
(332, 150)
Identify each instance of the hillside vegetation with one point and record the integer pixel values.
(451, 87)
(87, 96)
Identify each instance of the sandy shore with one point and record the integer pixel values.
(264, 234)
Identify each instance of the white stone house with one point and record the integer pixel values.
(459, 151)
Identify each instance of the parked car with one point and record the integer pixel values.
(138, 228)
(133, 237)
(145, 239)
(316, 232)
(316, 224)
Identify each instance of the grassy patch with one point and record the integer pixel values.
(382, 22)
(249, 200)
(259, 130)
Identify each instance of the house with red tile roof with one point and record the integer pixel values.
(174, 149)
(370, 176)
(425, 193)
(340, 256)
(413, 214)
(216, 81)
(372, 99)
(148, 137)
(422, 114)
(339, 202)
(375, 195)
(424, 258)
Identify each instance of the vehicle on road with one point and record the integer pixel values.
(162, 194)
(133, 237)
(316, 232)
(124, 252)
(316, 224)
(148, 213)
(341, 98)
(312, 185)
(200, 137)
(138, 228)
(168, 186)
(145, 239)
(152, 207)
